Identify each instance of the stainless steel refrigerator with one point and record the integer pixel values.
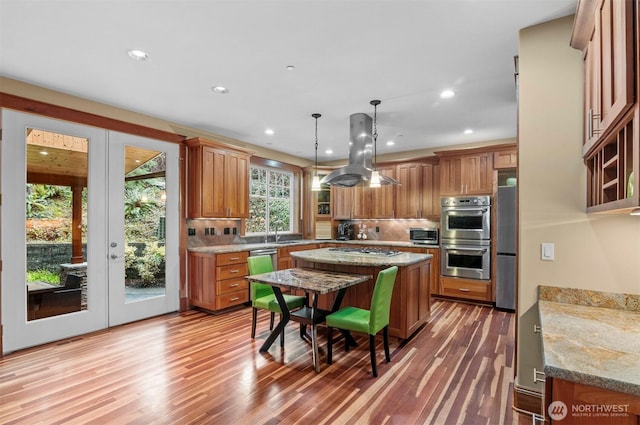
(506, 247)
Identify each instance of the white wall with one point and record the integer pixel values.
(597, 252)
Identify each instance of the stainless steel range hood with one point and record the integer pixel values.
(360, 167)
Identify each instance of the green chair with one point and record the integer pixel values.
(367, 321)
(262, 296)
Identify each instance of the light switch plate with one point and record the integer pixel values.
(547, 251)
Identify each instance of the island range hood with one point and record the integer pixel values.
(360, 167)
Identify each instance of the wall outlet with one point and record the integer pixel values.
(206, 231)
(212, 231)
(235, 230)
(191, 231)
(227, 230)
(377, 229)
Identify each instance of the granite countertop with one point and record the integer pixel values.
(221, 249)
(317, 281)
(591, 345)
(327, 256)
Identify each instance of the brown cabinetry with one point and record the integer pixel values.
(434, 272)
(216, 281)
(466, 174)
(382, 199)
(284, 254)
(418, 195)
(471, 289)
(604, 30)
(505, 159)
(218, 180)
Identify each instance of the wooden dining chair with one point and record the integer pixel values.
(367, 321)
(262, 296)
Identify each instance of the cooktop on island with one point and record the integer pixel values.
(367, 250)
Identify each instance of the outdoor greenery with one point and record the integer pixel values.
(269, 199)
(49, 219)
(43, 276)
(145, 266)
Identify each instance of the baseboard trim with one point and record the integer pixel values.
(526, 400)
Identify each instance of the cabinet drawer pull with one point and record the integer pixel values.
(234, 258)
(464, 290)
(234, 299)
(536, 372)
(234, 271)
(233, 285)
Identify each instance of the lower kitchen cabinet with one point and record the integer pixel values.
(579, 404)
(469, 289)
(217, 281)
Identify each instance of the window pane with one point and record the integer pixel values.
(270, 201)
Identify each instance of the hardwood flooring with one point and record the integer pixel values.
(196, 368)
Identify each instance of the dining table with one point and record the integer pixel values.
(314, 283)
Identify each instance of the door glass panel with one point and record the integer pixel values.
(144, 218)
(56, 223)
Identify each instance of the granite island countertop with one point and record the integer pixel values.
(329, 256)
(591, 345)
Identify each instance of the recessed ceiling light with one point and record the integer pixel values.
(447, 94)
(220, 89)
(138, 55)
(44, 153)
(269, 132)
(390, 143)
(329, 151)
(291, 68)
(468, 131)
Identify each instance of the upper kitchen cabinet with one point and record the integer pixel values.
(466, 172)
(218, 180)
(418, 195)
(343, 200)
(607, 33)
(382, 198)
(603, 30)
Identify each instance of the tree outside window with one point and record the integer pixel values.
(270, 200)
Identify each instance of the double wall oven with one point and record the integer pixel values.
(465, 235)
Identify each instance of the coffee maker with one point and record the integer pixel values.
(345, 231)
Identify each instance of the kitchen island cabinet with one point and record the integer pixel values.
(410, 302)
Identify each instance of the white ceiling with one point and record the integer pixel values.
(345, 54)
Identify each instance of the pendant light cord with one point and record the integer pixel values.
(375, 104)
(316, 116)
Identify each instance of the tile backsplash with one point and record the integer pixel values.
(213, 232)
(390, 230)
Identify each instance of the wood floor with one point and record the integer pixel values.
(196, 368)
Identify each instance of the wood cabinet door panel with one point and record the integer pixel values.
(232, 271)
(212, 191)
(342, 203)
(231, 258)
(409, 193)
(451, 176)
(383, 200)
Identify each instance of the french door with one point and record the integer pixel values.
(76, 242)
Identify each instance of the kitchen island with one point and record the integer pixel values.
(410, 302)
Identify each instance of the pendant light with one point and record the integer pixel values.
(375, 175)
(315, 182)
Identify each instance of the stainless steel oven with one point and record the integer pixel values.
(467, 217)
(466, 258)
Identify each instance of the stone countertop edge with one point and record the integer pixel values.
(590, 345)
(222, 249)
(325, 256)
